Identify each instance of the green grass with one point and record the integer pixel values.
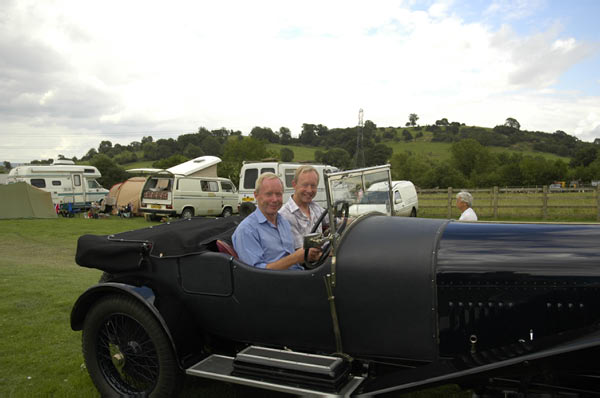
(138, 165)
(40, 356)
(301, 153)
(441, 150)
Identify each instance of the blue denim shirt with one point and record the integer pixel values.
(258, 242)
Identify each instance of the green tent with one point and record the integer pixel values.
(21, 200)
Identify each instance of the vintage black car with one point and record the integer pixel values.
(396, 304)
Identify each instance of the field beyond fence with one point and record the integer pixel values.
(518, 204)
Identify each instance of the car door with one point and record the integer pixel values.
(284, 308)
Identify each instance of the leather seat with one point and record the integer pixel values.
(226, 248)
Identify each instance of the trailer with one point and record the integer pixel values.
(66, 182)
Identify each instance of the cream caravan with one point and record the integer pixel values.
(66, 182)
(188, 189)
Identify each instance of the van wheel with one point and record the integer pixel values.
(187, 213)
(413, 213)
(227, 212)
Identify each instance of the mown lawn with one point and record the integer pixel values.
(40, 356)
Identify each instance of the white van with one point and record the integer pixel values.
(376, 198)
(66, 182)
(286, 171)
(188, 189)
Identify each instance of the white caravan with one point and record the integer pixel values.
(376, 198)
(189, 189)
(66, 182)
(286, 171)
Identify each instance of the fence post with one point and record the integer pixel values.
(598, 201)
(545, 202)
(449, 202)
(495, 202)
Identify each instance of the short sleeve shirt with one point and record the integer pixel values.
(258, 242)
(468, 215)
(301, 224)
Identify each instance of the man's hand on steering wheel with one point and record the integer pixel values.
(314, 253)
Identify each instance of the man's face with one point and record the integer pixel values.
(462, 206)
(269, 196)
(305, 188)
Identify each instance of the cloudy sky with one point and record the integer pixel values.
(74, 72)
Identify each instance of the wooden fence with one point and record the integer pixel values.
(538, 203)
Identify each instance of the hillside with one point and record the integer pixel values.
(423, 145)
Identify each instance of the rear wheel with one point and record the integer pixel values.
(187, 213)
(127, 352)
(227, 212)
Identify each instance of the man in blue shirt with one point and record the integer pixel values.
(264, 239)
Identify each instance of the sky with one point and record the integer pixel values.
(75, 72)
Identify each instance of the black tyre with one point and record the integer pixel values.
(227, 212)
(413, 213)
(127, 352)
(187, 213)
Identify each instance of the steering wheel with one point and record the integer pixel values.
(326, 249)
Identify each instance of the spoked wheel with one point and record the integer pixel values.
(127, 352)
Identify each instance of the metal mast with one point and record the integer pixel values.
(359, 155)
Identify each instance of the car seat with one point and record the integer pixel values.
(226, 248)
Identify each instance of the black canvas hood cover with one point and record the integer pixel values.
(124, 251)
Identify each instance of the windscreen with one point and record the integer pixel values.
(361, 186)
(352, 189)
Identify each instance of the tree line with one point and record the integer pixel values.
(471, 164)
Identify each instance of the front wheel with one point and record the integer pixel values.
(413, 213)
(127, 352)
(227, 212)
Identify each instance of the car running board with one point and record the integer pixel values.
(286, 371)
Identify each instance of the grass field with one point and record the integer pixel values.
(40, 356)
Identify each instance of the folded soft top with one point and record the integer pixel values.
(124, 251)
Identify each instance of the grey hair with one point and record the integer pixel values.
(465, 197)
(266, 176)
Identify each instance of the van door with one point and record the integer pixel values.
(399, 206)
(211, 200)
(78, 189)
(229, 198)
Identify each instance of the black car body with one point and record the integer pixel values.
(402, 304)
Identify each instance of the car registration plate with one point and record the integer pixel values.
(156, 206)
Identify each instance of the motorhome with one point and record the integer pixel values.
(66, 182)
(286, 171)
(189, 189)
(376, 198)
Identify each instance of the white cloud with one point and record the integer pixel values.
(151, 66)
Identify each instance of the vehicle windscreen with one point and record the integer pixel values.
(360, 186)
(348, 189)
(375, 198)
(93, 184)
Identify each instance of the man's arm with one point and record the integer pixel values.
(296, 257)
